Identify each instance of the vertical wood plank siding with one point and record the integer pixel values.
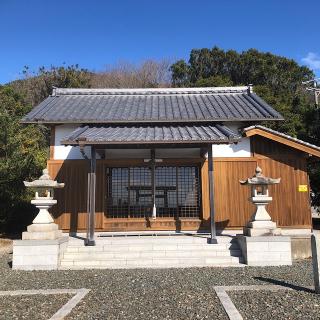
(290, 208)
(231, 199)
(71, 209)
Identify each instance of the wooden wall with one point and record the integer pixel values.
(231, 199)
(71, 210)
(290, 208)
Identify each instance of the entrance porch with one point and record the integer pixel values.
(155, 181)
(153, 189)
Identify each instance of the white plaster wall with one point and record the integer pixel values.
(242, 149)
(66, 152)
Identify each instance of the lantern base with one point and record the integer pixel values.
(258, 232)
(261, 228)
(42, 232)
(260, 223)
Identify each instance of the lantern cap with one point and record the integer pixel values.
(259, 179)
(44, 181)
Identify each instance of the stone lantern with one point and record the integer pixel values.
(260, 223)
(262, 243)
(43, 226)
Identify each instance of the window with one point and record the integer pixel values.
(129, 192)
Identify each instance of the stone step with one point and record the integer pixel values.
(151, 252)
(151, 247)
(151, 263)
(113, 266)
(146, 254)
(152, 239)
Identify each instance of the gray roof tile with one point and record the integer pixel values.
(152, 134)
(151, 105)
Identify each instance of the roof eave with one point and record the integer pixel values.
(160, 142)
(149, 122)
(282, 138)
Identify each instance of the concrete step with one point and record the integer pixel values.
(151, 263)
(152, 239)
(103, 255)
(151, 252)
(153, 247)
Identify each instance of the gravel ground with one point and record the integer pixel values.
(153, 293)
(35, 307)
(265, 305)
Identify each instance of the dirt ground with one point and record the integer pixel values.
(5, 245)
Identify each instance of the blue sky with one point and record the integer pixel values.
(95, 33)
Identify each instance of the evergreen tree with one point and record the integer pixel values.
(24, 148)
(278, 80)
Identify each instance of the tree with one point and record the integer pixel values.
(23, 153)
(180, 74)
(24, 149)
(214, 81)
(36, 86)
(278, 80)
(149, 74)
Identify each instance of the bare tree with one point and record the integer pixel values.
(36, 86)
(148, 74)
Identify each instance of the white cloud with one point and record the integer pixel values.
(312, 60)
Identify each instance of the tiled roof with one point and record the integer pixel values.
(151, 105)
(152, 134)
(283, 135)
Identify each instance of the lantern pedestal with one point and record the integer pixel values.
(43, 226)
(260, 223)
(38, 254)
(265, 250)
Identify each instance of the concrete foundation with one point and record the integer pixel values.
(301, 247)
(38, 254)
(315, 246)
(265, 250)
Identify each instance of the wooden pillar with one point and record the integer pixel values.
(91, 199)
(213, 236)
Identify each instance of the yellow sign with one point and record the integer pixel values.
(303, 188)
